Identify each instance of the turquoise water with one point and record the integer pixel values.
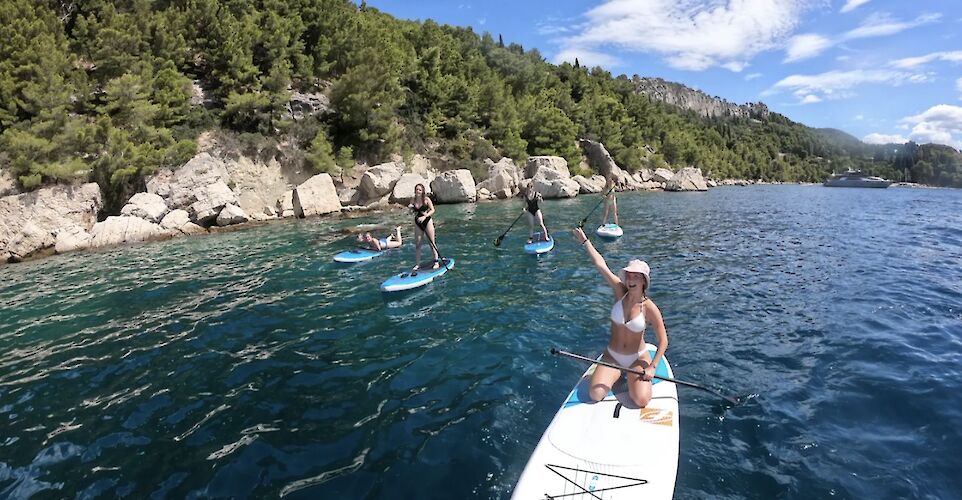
(248, 364)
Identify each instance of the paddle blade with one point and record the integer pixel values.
(497, 242)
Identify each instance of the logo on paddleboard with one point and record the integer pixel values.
(656, 416)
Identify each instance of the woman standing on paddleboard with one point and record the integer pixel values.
(533, 213)
(631, 311)
(423, 210)
(611, 203)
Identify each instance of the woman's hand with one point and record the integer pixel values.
(649, 373)
(420, 219)
(579, 235)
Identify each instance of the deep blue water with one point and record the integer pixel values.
(248, 364)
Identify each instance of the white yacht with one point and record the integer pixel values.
(855, 178)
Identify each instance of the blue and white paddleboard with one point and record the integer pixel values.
(409, 280)
(606, 447)
(359, 254)
(610, 231)
(539, 247)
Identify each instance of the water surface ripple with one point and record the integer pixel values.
(248, 364)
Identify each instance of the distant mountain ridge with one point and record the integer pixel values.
(687, 98)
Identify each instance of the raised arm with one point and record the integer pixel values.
(613, 281)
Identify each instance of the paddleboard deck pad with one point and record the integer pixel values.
(610, 231)
(610, 449)
(414, 279)
(539, 247)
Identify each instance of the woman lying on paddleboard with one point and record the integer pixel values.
(423, 210)
(533, 213)
(632, 310)
(611, 203)
(367, 240)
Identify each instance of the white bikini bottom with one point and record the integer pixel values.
(624, 360)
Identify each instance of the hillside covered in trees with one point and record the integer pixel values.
(103, 90)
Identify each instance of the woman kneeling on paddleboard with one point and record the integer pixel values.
(423, 210)
(533, 213)
(626, 347)
(367, 240)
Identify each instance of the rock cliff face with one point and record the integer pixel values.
(701, 103)
(30, 222)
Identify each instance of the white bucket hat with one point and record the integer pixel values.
(636, 266)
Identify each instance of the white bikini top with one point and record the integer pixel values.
(636, 325)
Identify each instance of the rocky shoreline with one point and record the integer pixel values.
(219, 188)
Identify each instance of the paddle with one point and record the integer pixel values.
(581, 225)
(497, 242)
(733, 401)
(435, 247)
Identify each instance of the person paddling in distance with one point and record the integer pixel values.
(367, 240)
(533, 213)
(423, 225)
(631, 311)
(611, 202)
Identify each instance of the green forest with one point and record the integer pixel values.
(101, 90)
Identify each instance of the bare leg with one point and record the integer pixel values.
(603, 379)
(544, 230)
(528, 217)
(417, 247)
(614, 203)
(638, 389)
(434, 245)
(604, 219)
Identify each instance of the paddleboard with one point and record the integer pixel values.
(409, 280)
(359, 254)
(610, 449)
(610, 231)
(539, 247)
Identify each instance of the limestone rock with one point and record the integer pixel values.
(230, 215)
(316, 196)
(124, 229)
(304, 105)
(403, 191)
(455, 186)
(258, 183)
(210, 200)
(379, 180)
(29, 221)
(592, 185)
(687, 179)
(71, 239)
(503, 178)
(348, 196)
(556, 188)
(175, 219)
(285, 205)
(191, 229)
(662, 175)
(8, 185)
(147, 206)
(180, 188)
(555, 163)
(702, 104)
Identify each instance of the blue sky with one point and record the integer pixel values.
(882, 70)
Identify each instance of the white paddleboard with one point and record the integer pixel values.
(610, 449)
(610, 231)
(409, 280)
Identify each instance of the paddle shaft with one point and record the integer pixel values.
(583, 221)
(433, 245)
(636, 372)
(497, 242)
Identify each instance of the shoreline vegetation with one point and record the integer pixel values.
(123, 122)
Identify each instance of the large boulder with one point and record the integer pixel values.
(30, 221)
(230, 215)
(71, 239)
(379, 180)
(316, 196)
(595, 184)
(124, 229)
(599, 158)
(178, 187)
(175, 219)
(403, 191)
(662, 175)
(258, 183)
(455, 186)
(285, 204)
(687, 179)
(147, 206)
(304, 105)
(209, 202)
(556, 188)
(538, 163)
(503, 178)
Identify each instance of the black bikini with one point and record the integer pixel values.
(532, 205)
(419, 211)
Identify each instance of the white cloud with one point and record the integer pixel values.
(884, 139)
(587, 58)
(912, 62)
(941, 124)
(809, 45)
(839, 84)
(805, 46)
(752, 76)
(690, 34)
(810, 99)
(851, 5)
(859, 118)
